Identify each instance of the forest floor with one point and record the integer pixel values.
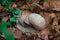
(49, 9)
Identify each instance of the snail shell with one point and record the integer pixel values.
(36, 20)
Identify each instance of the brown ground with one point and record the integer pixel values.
(49, 9)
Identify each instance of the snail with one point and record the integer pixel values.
(35, 21)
